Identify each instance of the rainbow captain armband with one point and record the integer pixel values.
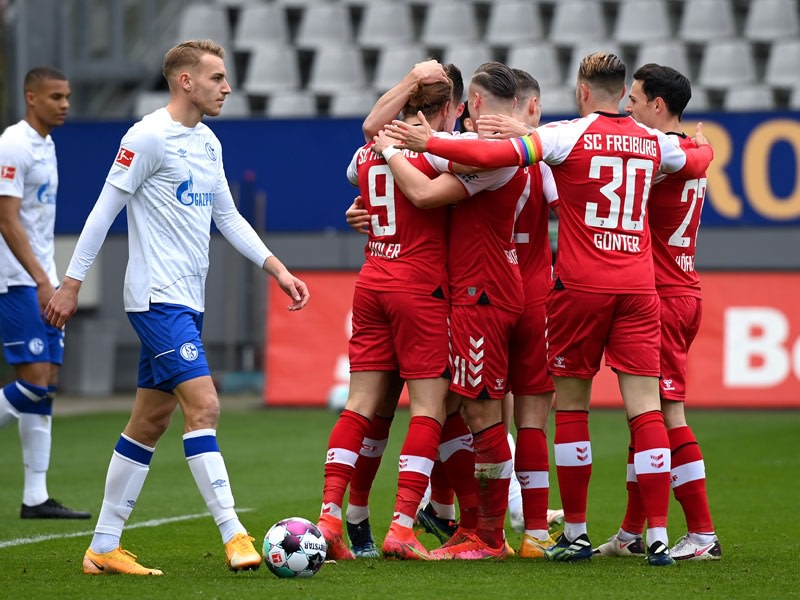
(529, 148)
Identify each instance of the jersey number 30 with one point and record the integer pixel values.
(624, 174)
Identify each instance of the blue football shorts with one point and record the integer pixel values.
(27, 337)
(171, 348)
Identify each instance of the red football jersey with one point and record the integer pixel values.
(603, 166)
(531, 229)
(407, 246)
(482, 258)
(674, 214)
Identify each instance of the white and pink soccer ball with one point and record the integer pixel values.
(294, 547)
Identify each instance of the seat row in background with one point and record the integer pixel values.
(334, 57)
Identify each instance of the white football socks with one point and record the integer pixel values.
(124, 481)
(211, 476)
(35, 436)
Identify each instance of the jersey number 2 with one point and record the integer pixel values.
(694, 191)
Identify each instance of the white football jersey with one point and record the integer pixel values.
(28, 170)
(176, 178)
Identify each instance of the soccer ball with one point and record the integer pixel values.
(294, 547)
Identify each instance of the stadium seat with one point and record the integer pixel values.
(393, 64)
(238, 4)
(236, 107)
(260, 23)
(273, 67)
(384, 24)
(769, 20)
(337, 68)
(513, 23)
(782, 69)
(751, 97)
(448, 23)
(704, 20)
(540, 60)
(147, 102)
(299, 4)
(355, 103)
(794, 99)
(291, 104)
(584, 49)
(727, 63)
(576, 21)
(323, 24)
(467, 57)
(641, 21)
(672, 53)
(559, 101)
(700, 101)
(201, 21)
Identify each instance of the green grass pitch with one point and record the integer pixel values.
(275, 459)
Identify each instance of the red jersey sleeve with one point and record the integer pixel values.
(489, 154)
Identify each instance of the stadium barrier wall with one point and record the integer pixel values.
(299, 165)
(746, 355)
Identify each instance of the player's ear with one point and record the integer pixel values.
(185, 80)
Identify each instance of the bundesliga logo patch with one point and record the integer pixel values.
(7, 172)
(124, 157)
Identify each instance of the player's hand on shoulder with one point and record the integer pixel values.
(357, 216)
(412, 137)
(501, 127)
(381, 141)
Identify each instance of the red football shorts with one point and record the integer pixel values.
(581, 326)
(479, 337)
(680, 320)
(527, 361)
(399, 331)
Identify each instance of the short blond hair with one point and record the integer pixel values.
(603, 70)
(188, 54)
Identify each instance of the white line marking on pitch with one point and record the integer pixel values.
(73, 534)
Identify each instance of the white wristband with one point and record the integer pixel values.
(390, 152)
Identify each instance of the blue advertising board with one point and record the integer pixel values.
(299, 166)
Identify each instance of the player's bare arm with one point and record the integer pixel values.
(423, 193)
(357, 216)
(501, 127)
(64, 303)
(392, 102)
(295, 288)
(14, 234)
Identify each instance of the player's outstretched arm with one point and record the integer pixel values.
(357, 216)
(64, 303)
(489, 154)
(295, 288)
